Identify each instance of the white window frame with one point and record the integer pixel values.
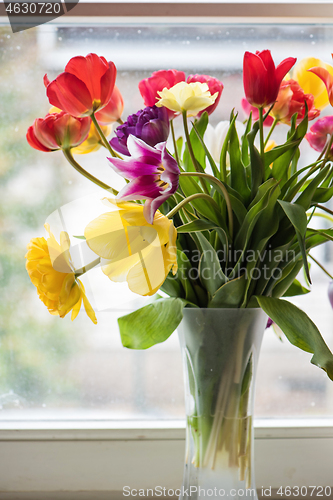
(96, 459)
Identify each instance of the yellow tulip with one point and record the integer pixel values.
(93, 141)
(134, 251)
(190, 97)
(51, 270)
(310, 83)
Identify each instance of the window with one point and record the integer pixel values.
(63, 381)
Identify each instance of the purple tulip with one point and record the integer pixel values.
(319, 132)
(330, 293)
(269, 322)
(153, 174)
(150, 124)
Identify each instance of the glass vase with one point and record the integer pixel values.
(220, 349)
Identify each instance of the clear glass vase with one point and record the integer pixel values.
(220, 349)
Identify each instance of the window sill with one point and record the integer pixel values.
(105, 456)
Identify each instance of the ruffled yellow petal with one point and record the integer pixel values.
(136, 251)
(310, 83)
(59, 291)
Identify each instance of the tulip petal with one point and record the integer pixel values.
(283, 68)
(69, 93)
(89, 70)
(327, 79)
(254, 79)
(34, 142)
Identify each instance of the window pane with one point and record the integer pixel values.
(52, 368)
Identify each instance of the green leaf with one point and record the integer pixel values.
(237, 169)
(257, 168)
(198, 150)
(299, 330)
(189, 186)
(230, 294)
(296, 288)
(151, 324)
(224, 150)
(297, 216)
(172, 287)
(183, 273)
(305, 198)
(209, 156)
(79, 237)
(196, 225)
(179, 146)
(210, 272)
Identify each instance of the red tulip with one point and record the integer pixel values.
(214, 86)
(113, 110)
(85, 86)
(158, 81)
(290, 100)
(261, 79)
(58, 131)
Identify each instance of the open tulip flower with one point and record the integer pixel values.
(150, 124)
(153, 173)
(190, 97)
(290, 100)
(262, 79)
(58, 131)
(309, 82)
(51, 270)
(132, 249)
(84, 87)
(151, 87)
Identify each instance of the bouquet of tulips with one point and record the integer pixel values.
(216, 218)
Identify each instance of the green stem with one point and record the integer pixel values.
(275, 122)
(70, 159)
(224, 192)
(87, 268)
(174, 141)
(328, 151)
(103, 138)
(188, 200)
(321, 267)
(120, 121)
(190, 150)
(324, 208)
(261, 129)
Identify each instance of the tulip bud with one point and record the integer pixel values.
(57, 131)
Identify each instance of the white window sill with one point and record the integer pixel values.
(78, 457)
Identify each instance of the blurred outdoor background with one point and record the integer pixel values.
(55, 369)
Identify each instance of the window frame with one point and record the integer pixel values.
(103, 456)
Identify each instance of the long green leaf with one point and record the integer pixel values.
(196, 225)
(299, 330)
(151, 324)
(230, 294)
(297, 216)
